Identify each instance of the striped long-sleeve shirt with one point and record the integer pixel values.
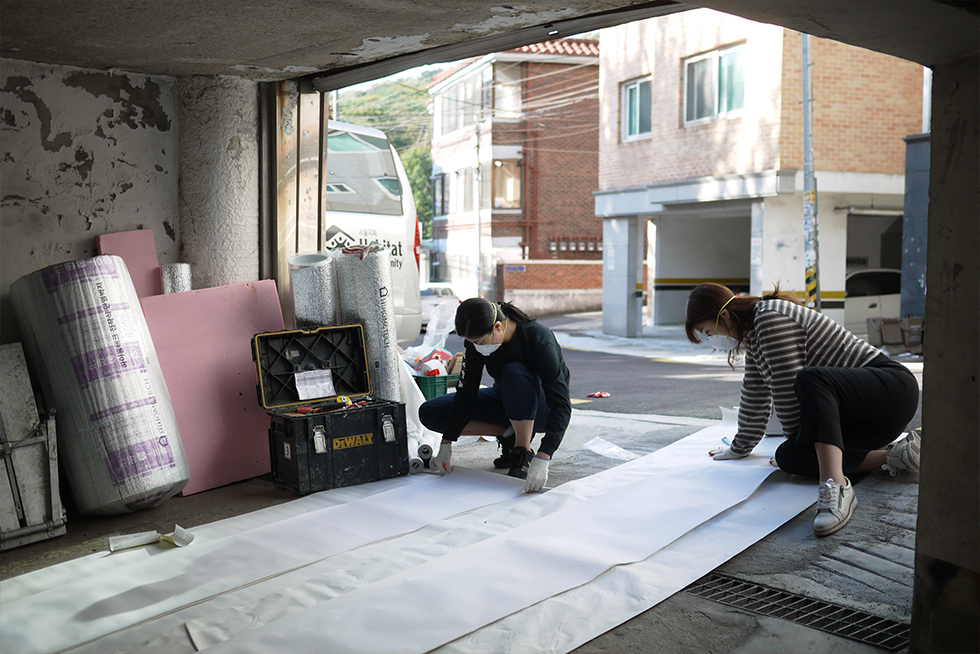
(784, 339)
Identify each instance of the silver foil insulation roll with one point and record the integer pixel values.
(364, 290)
(313, 285)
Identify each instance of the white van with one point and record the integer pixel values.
(367, 198)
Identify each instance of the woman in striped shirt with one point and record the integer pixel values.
(842, 403)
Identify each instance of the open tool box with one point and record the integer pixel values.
(325, 429)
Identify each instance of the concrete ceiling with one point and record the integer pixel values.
(348, 41)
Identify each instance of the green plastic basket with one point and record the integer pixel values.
(435, 386)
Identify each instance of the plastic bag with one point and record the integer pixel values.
(442, 320)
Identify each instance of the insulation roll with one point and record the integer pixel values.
(89, 342)
(312, 282)
(175, 278)
(365, 297)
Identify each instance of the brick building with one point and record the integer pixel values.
(701, 157)
(515, 159)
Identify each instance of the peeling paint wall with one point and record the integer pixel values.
(83, 153)
(219, 179)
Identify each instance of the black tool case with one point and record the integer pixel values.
(325, 429)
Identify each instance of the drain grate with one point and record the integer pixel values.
(838, 620)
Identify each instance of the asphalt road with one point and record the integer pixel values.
(638, 385)
(642, 386)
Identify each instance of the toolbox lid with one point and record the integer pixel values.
(305, 368)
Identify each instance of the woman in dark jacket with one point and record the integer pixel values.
(529, 394)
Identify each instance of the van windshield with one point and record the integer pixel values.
(361, 175)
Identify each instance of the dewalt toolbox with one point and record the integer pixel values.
(326, 431)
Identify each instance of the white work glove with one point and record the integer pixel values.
(442, 463)
(537, 475)
(724, 453)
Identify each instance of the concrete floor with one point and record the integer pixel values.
(866, 567)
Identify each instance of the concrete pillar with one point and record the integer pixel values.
(622, 276)
(219, 179)
(946, 591)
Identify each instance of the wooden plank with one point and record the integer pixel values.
(18, 410)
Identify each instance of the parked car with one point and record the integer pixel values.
(435, 293)
(871, 293)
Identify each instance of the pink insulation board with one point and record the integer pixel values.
(140, 254)
(203, 341)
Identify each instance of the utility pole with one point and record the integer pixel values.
(810, 229)
(479, 213)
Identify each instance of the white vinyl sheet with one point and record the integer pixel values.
(132, 594)
(558, 623)
(442, 600)
(566, 620)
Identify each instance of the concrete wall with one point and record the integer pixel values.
(946, 592)
(87, 153)
(84, 153)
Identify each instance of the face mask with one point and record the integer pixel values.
(722, 343)
(490, 348)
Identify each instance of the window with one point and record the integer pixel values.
(507, 92)
(714, 85)
(466, 178)
(361, 174)
(466, 102)
(506, 184)
(440, 195)
(636, 110)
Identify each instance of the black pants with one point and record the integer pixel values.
(855, 409)
(516, 395)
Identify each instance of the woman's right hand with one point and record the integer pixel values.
(442, 463)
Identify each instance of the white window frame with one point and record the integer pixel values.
(713, 59)
(626, 115)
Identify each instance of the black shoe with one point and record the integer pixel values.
(520, 462)
(506, 445)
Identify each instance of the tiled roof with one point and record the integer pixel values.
(448, 72)
(564, 47)
(567, 47)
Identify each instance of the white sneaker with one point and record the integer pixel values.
(835, 504)
(903, 456)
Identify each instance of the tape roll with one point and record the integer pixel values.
(425, 451)
(175, 278)
(415, 466)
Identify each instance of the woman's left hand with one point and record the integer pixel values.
(537, 475)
